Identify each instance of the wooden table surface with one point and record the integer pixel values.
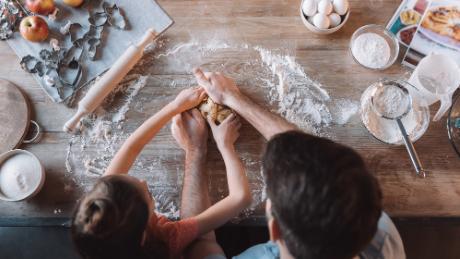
(325, 58)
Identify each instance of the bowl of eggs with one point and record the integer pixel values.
(324, 16)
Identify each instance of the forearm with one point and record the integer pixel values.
(217, 215)
(266, 122)
(238, 199)
(126, 156)
(195, 197)
(238, 185)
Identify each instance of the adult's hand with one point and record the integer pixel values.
(223, 90)
(190, 131)
(220, 88)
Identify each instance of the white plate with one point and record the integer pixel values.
(441, 39)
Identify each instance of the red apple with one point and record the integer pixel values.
(34, 28)
(43, 7)
(73, 3)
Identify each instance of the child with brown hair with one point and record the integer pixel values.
(117, 219)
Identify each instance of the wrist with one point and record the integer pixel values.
(196, 152)
(226, 148)
(175, 107)
(232, 100)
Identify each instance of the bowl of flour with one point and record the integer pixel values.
(374, 47)
(416, 121)
(21, 175)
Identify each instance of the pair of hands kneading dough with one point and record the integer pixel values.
(208, 108)
(217, 112)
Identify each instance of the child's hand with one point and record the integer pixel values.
(189, 98)
(190, 131)
(227, 132)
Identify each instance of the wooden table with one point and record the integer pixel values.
(325, 58)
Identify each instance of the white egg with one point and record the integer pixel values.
(340, 6)
(334, 19)
(309, 7)
(321, 21)
(325, 7)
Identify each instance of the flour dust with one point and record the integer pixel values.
(271, 77)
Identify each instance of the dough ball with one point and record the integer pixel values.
(217, 112)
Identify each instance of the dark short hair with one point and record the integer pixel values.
(112, 224)
(325, 201)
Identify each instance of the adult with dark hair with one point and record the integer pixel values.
(322, 202)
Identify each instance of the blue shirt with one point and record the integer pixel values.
(386, 244)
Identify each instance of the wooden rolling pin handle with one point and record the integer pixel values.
(72, 124)
(147, 38)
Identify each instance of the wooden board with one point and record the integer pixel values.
(14, 116)
(268, 23)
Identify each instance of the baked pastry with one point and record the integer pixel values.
(444, 21)
(217, 112)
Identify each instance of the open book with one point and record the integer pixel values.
(427, 26)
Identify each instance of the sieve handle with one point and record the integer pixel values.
(411, 150)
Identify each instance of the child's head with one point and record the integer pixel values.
(109, 221)
(324, 202)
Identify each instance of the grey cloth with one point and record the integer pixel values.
(140, 15)
(387, 242)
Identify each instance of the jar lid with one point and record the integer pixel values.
(21, 175)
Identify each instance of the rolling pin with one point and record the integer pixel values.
(110, 80)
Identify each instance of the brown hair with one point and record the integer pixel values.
(325, 200)
(111, 225)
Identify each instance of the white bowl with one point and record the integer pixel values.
(317, 30)
(21, 175)
(389, 37)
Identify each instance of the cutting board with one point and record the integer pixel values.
(14, 116)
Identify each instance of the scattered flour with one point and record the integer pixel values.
(300, 99)
(120, 115)
(343, 110)
(278, 78)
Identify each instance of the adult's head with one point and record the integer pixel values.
(109, 221)
(323, 202)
